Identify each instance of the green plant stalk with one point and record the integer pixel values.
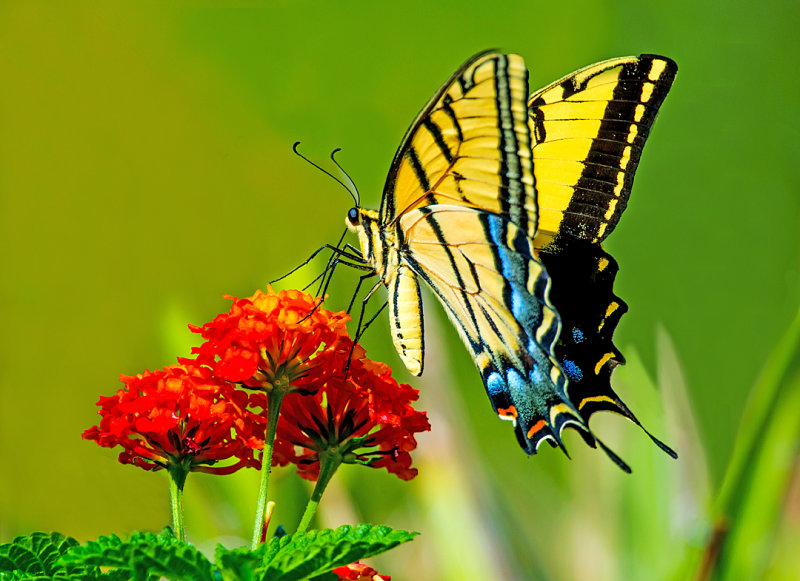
(274, 401)
(177, 478)
(329, 463)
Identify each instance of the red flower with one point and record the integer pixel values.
(270, 338)
(359, 572)
(365, 419)
(181, 414)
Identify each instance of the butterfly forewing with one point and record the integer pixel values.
(588, 131)
(469, 146)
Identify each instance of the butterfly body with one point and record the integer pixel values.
(381, 247)
(460, 211)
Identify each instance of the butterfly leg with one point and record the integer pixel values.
(364, 301)
(358, 287)
(360, 333)
(349, 252)
(327, 274)
(326, 280)
(361, 327)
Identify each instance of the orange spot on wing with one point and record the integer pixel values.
(509, 412)
(535, 428)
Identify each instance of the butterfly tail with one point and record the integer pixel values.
(527, 386)
(536, 421)
(583, 293)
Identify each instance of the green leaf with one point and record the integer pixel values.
(145, 556)
(240, 564)
(325, 577)
(37, 556)
(314, 553)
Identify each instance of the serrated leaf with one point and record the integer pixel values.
(173, 562)
(314, 553)
(145, 556)
(37, 555)
(240, 564)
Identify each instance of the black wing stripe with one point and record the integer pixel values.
(627, 105)
(436, 133)
(448, 109)
(419, 171)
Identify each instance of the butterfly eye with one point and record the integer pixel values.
(353, 217)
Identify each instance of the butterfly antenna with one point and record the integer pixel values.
(326, 172)
(351, 187)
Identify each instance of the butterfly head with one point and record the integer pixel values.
(360, 220)
(353, 219)
(366, 224)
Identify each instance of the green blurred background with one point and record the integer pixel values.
(146, 170)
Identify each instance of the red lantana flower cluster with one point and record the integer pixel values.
(336, 400)
(366, 418)
(359, 572)
(271, 337)
(181, 414)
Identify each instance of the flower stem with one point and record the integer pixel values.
(177, 478)
(274, 401)
(329, 463)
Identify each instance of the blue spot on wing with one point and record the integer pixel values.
(577, 335)
(526, 308)
(536, 376)
(514, 261)
(572, 370)
(520, 307)
(520, 391)
(495, 384)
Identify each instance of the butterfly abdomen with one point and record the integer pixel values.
(405, 317)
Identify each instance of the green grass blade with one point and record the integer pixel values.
(756, 416)
(751, 536)
(748, 506)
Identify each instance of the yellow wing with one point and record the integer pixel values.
(588, 132)
(469, 146)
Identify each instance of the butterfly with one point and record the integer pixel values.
(500, 200)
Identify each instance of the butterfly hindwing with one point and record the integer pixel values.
(495, 291)
(582, 291)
